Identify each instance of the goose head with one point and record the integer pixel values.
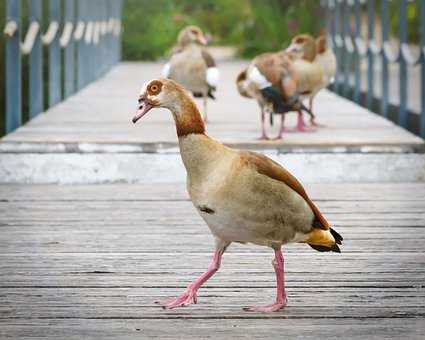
(160, 93)
(303, 46)
(191, 35)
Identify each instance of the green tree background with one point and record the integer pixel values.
(253, 26)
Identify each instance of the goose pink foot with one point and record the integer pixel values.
(189, 296)
(186, 299)
(301, 127)
(280, 288)
(263, 137)
(274, 307)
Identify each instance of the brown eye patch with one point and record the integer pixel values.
(154, 87)
(299, 40)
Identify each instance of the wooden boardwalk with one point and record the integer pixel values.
(87, 262)
(101, 114)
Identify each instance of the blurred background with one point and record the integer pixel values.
(246, 27)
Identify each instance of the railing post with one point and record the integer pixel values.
(81, 46)
(385, 22)
(422, 42)
(402, 113)
(35, 64)
(370, 57)
(13, 69)
(55, 85)
(337, 44)
(69, 53)
(347, 52)
(358, 59)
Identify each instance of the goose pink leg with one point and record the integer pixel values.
(189, 296)
(301, 127)
(263, 127)
(282, 127)
(280, 287)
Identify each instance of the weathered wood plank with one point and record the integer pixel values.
(76, 120)
(75, 266)
(126, 329)
(165, 191)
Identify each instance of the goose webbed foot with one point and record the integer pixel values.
(186, 299)
(274, 307)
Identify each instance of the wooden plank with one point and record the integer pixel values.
(324, 328)
(74, 266)
(75, 121)
(383, 192)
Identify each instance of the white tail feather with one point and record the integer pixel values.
(166, 70)
(256, 77)
(213, 76)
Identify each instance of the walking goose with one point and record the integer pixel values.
(242, 196)
(192, 66)
(314, 63)
(272, 81)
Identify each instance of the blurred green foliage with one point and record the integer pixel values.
(254, 26)
(2, 65)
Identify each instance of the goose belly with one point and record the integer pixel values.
(252, 217)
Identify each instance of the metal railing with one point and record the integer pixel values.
(83, 42)
(376, 52)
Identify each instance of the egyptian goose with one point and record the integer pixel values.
(242, 196)
(315, 65)
(271, 80)
(192, 66)
(326, 57)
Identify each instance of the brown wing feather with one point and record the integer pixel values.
(209, 60)
(270, 168)
(278, 69)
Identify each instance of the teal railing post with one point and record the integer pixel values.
(81, 45)
(55, 84)
(385, 23)
(370, 57)
(422, 42)
(402, 113)
(69, 51)
(35, 63)
(358, 52)
(348, 50)
(337, 43)
(13, 68)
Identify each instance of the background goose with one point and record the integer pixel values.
(314, 63)
(192, 66)
(272, 81)
(242, 196)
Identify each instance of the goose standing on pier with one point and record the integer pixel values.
(192, 66)
(242, 196)
(314, 63)
(271, 80)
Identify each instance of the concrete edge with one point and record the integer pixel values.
(172, 147)
(92, 168)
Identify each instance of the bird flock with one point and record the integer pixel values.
(278, 81)
(243, 196)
